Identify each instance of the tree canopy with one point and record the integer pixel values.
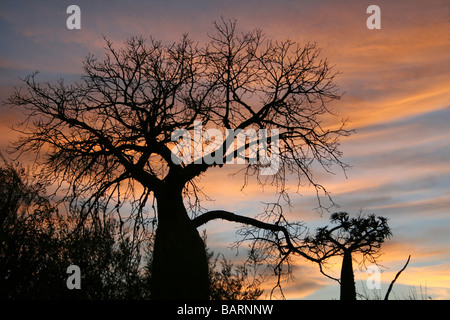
(108, 139)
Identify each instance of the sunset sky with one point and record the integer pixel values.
(395, 82)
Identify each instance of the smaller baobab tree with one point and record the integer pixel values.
(350, 236)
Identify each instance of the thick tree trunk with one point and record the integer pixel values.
(180, 268)
(348, 290)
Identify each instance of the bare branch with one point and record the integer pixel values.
(229, 216)
(386, 297)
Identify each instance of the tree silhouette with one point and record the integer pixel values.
(37, 244)
(349, 236)
(109, 136)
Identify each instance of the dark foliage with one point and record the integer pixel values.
(37, 244)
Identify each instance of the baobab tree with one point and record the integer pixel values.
(112, 137)
(348, 237)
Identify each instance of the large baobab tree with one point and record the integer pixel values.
(113, 136)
